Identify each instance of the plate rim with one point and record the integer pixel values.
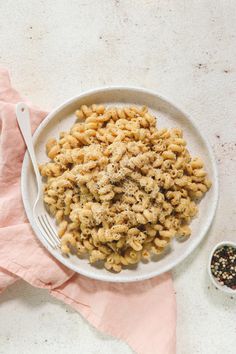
(102, 277)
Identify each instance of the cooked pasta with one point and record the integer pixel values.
(119, 188)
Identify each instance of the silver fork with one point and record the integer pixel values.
(47, 230)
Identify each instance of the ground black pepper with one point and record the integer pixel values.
(223, 266)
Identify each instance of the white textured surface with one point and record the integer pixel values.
(186, 51)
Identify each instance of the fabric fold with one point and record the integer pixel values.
(6, 279)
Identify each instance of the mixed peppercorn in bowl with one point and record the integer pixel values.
(222, 266)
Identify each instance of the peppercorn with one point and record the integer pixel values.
(223, 266)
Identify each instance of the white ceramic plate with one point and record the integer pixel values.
(167, 115)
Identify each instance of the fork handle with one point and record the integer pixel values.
(23, 119)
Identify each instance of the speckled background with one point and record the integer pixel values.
(185, 50)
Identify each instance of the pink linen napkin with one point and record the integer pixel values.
(143, 314)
